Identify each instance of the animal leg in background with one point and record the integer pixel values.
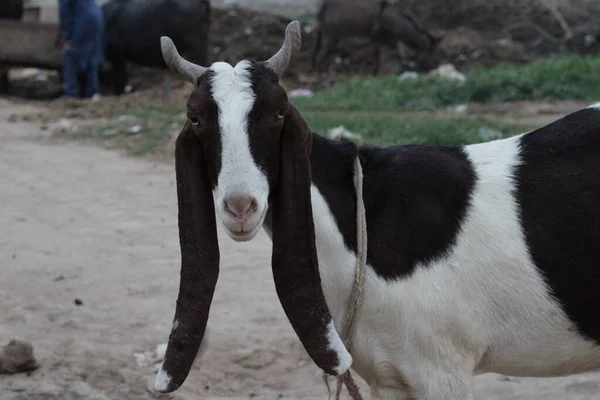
(4, 83)
(166, 88)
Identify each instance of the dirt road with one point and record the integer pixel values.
(80, 222)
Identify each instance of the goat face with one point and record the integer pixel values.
(246, 147)
(238, 113)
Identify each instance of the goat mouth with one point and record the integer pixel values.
(245, 232)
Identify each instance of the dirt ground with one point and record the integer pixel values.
(84, 225)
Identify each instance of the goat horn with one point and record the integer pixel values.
(291, 45)
(188, 70)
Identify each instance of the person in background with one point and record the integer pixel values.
(82, 34)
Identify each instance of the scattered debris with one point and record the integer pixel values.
(126, 118)
(65, 124)
(408, 75)
(343, 134)
(134, 130)
(448, 71)
(301, 93)
(147, 358)
(17, 356)
(461, 109)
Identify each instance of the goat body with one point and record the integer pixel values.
(134, 28)
(481, 258)
(382, 23)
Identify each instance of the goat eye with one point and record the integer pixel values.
(279, 115)
(194, 121)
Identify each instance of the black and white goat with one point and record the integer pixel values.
(481, 258)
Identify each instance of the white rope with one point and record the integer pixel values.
(356, 295)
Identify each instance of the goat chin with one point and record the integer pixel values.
(250, 230)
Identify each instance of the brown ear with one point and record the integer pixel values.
(199, 261)
(294, 260)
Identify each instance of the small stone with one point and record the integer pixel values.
(78, 302)
(17, 356)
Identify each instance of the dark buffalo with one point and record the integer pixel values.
(134, 28)
(9, 9)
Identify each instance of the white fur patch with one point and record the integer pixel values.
(239, 175)
(162, 381)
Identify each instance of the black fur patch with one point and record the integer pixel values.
(416, 198)
(558, 191)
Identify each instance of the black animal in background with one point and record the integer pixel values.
(134, 28)
(14, 10)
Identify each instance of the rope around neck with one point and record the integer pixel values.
(356, 295)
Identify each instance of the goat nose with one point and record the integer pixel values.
(240, 206)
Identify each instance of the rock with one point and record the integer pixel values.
(408, 75)
(461, 109)
(448, 71)
(301, 93)
(17, 356)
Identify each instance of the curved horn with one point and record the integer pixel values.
(174, 61)
(291, 45)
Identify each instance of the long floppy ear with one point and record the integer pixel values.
(199, 261)
(294, 259)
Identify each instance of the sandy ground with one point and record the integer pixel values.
(81, 222)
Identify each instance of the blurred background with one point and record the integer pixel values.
(89, 252)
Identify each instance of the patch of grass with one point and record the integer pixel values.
(156, 128)
(390, 128)
(572, 77)
(387, 111)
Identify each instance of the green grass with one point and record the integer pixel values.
(388, 128)
(381, 129)
(383, 110)
(573, 77)
(157, 127)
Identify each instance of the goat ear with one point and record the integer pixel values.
(294, 259)
(199, 261)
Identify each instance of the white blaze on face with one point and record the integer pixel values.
(239, 174)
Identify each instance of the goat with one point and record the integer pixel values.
(133, 29)
(382, 22)
(481, 258)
